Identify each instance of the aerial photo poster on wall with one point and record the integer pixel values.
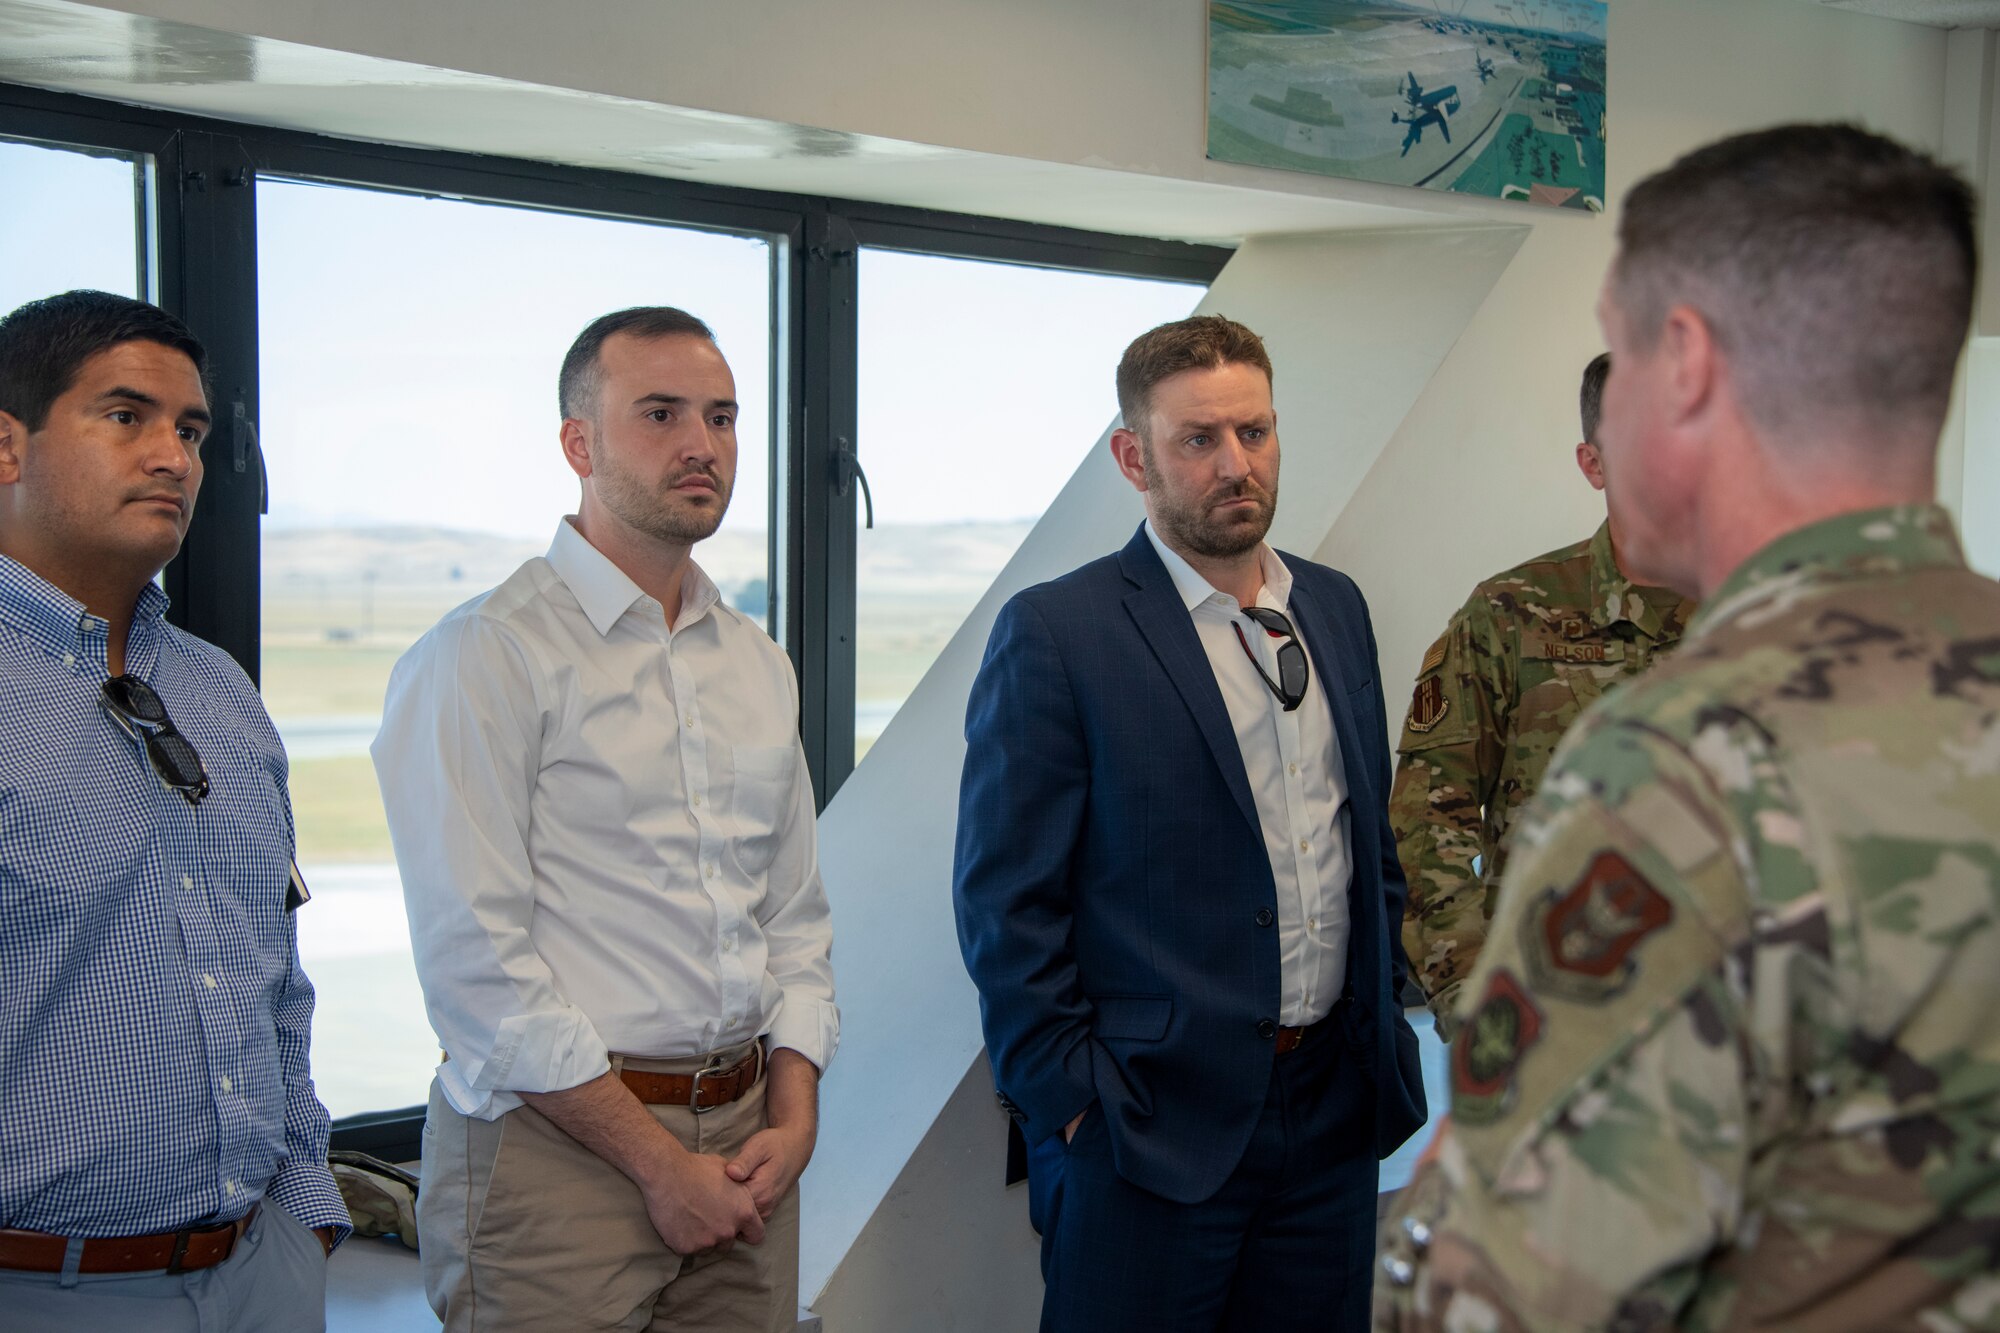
(1503, 98)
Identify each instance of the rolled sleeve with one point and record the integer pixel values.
(808, 1025)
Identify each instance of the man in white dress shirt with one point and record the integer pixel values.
(604, 823)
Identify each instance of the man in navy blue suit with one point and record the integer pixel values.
(1178, 893)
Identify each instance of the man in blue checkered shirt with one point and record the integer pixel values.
(162, 1152)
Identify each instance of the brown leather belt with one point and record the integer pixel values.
(174, 1251)
(1289, 1039)
(703, 1090)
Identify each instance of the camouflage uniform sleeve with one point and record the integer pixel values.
(1449, 761)
(1600, 1136)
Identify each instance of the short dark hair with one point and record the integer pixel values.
(1834, 267)
(583, 373)
(1198, 342)
(1591, 398)
(44, 344)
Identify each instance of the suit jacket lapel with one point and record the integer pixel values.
(1163, 619)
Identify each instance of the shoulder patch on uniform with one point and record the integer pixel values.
(1434, 658)
(1489, 1050)
(1579, 944)
(1428, 705)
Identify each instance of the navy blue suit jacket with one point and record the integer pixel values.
(1113, 890)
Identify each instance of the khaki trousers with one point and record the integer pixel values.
(524, 1229)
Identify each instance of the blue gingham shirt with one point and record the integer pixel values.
(154, 1019)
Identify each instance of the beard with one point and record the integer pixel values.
(659, 512)
(1191, 523)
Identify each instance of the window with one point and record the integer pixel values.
(73, 219)
(384, 328)
(982, 387)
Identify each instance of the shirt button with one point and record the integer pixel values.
(187, 882)
(697, 802)
(229, 1185)
(729, 944)
(688, 720)
(1305, 846)
(1265, 916)
(69, 659)
(227, 1086)
(1313, 923)
(711, 872)
(1294, 769)
(208, 981)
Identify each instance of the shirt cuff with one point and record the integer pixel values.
(808, 1025)
(306, 1191)
(551, 1051)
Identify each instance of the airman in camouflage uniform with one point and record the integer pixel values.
(1757, 907)
(1729, 1060)
(1528, 652)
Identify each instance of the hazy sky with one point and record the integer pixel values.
(409, 348)
(70, 221)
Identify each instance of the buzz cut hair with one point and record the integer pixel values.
(581, 382)
(1834, 268)
(1590, 400)
(1199, 342)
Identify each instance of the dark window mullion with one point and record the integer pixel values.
(211, 283)
(827, 576)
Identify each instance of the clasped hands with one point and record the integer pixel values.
(702, 1201)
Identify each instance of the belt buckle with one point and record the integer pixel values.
(712, 1070)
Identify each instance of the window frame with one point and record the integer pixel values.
(200, 258)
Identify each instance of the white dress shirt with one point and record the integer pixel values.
(1293, 763)
(605, 830)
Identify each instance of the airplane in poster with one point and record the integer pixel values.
(1425, 108)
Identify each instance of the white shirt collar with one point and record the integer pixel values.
(606, 592)
(1194, 589)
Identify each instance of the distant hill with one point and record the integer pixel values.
(444, 566)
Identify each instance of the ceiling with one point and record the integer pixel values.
(83, 48)
(1937, 13)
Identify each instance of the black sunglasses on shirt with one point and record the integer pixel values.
(137, 710)
(1294, 670)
